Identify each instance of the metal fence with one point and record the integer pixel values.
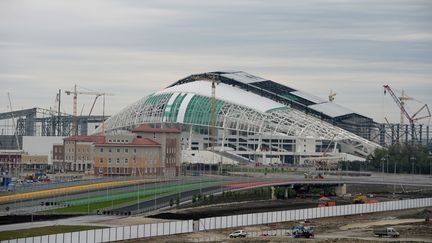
(113, 234)
(308, 213)
(177, 227)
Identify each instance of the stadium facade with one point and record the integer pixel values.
(255, 120)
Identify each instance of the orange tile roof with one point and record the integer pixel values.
(135, 142)
(96, 139)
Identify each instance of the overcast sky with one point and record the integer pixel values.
(132, 48)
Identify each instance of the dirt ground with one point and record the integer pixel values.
(242, 208)
(357, 228)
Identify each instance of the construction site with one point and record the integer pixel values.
(214, 152)
(278, 132)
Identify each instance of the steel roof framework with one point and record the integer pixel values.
(282, 121)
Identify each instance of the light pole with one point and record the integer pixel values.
(430, 163)
(387, 160)
(412, 158)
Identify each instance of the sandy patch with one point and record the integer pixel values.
(380, 223)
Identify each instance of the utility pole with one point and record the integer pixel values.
(58, 114)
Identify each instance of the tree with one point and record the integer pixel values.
(402, 157)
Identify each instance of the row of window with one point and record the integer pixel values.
(118, 141)
(171, 150)
(67, 157)
(118, 160)
(71, 150)
(118, 150)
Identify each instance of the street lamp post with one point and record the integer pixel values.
(430, 163)
(412, 158)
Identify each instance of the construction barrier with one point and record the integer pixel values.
(308, 213)
(113, 234)
(178, 227)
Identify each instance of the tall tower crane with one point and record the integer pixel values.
(75, 97)
(400, 102)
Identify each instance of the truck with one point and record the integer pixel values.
(302, 231)
(387, 231)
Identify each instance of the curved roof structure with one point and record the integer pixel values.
(244, 103)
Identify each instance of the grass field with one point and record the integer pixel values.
(48, 230)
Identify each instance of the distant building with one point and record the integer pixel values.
(34, 162)
(58, 158)
(144, 151)
(78, 152)
(127, 155)
(9, 160)
(170, 142)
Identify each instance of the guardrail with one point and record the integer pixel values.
(178, 227)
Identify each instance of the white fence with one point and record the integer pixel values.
(309, 213)
(177, 227)
(113, 234)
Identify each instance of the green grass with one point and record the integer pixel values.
(48, 230)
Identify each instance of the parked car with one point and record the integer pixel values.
(238, 233)
(11, 187)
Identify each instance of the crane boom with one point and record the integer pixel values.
(400, 103)
(75, 97)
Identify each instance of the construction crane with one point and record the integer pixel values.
(400, 102)
(13, 119)
(75, 97)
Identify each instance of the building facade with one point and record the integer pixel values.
(145, 151)
(127, 155)
(170, 146)
(58, 158)
(78, 152)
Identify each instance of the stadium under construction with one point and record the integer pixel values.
(238, 115)
(235, 115)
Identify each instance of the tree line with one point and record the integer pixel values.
(399, 158)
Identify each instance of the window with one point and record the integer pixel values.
(109, 160)
(109, 170)
(134, 150)
(110, 150)
(101, 150)
(118, 170)
(101, 160)
(126, 161)
(118, 150)
(126, 150)
(118, 161)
